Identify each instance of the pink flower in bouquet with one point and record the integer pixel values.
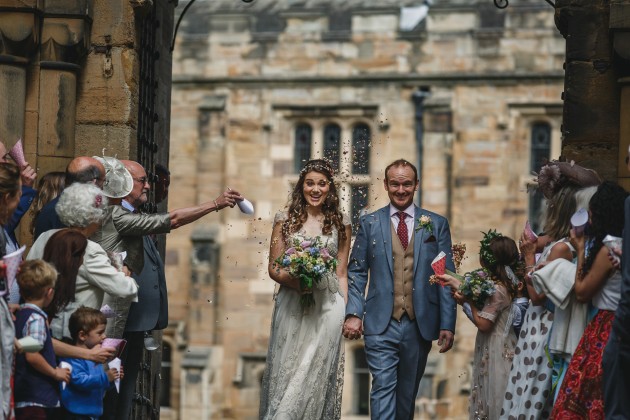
(325, 254)
(305, 244)
(290, 251)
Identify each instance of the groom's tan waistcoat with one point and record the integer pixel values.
(403, 277)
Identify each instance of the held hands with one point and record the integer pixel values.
(229, 198)
(62, 375)
(353, 328)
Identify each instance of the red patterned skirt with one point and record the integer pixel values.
(581, 393)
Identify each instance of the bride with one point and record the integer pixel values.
(304, 373)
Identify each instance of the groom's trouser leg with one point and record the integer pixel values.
(395, 376)
(414, 351)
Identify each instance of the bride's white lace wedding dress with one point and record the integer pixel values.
(304, 374)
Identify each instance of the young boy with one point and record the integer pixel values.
(36, 374)
(83, 397)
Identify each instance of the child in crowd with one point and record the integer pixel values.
(82, 399)
(520, 303)
(37, 374)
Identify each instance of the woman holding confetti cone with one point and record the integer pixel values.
(495, 342)
(304, 374)
(10, 193)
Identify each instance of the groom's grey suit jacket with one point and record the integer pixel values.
(371, 257)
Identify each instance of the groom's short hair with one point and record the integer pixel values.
(401, 162)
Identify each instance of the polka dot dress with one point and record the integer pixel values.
(528, 394)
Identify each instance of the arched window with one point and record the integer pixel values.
(540, 149)
(332, 144)
(361, 149)
(361, 383)
(165, 373)
(302, 151)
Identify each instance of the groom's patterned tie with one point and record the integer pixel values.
(402, 231)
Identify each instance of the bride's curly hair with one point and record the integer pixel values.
(296, 214)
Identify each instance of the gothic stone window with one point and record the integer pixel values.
(303, 146)
(540, 149)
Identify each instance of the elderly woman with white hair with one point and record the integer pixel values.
(82, 207)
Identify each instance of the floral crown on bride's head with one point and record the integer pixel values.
(319, 165)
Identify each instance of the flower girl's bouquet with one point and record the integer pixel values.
(308, 260)
(477, 287)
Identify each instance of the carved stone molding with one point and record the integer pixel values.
(20, 23)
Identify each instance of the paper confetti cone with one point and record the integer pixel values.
(529, 233)
(65, 365)
(115, 343)
(13, 261)
(115, 364)
(246, 206)
(17, 154)
(439, 263)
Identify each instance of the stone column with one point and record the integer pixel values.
(19, 37)
(65, 42)
(590, 122)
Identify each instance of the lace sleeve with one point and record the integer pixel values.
(280, 217)
(495, 304)
(346, 219)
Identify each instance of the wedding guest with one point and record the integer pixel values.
(599, 282)
(65, 251)
(81, 207)
(37, 375)
(529, 391)
(27, 176)
(301, 375)
(48, 188)
(125, 228)
(83, 170)
(495, 342)
(82, 398)
(10, 193)
(616, 358)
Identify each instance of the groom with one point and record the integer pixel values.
(402, 312)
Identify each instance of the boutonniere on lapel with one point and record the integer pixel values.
(425, 222)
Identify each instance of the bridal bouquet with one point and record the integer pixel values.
(308, 260)
(477, 286)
